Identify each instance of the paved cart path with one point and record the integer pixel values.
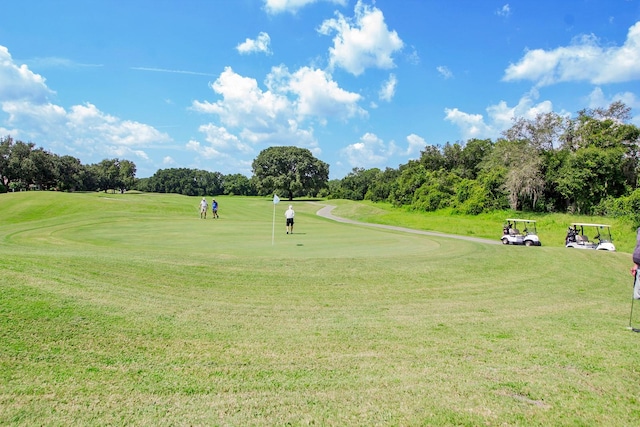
(325, 212)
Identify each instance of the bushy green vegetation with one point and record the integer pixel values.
(586, 165)
(127, 309)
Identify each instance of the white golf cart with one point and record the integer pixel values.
(602, 241)
(520, 232)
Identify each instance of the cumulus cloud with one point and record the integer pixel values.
(277, 115)
(499, 117)
(585, 59)
(259, 45)
(371, 151)
(292, 6)
(222, 140)
(318, 95)
(361, 42)
(388, 89)
(243, 102)
(416, 145)
(80, 129)
(18, 83)
(598, 99)
(208, 153)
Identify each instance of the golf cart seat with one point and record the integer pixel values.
(514, 231)
(582, 239)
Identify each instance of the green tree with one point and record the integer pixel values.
(6, 143)
(68, 172)
(412, 176)
(520, 163)
(432, 158)
(356, 184)
(383, 185)
(473, 154)
(237, 184)
(290, 171)
(126, 174)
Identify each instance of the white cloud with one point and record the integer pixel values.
(585, 59)
(125, 152)
(256, 117)
(371, 151)
(388, 89)
(499, 117)
(80, 129)
(225, 162)
(223, 141)
(259, 45)
(598, 99)
(320, 96)
(361, 42)
(18, 83)
(504, 11)
(290, 98)
(94, 126)
(292, 6)
(168, 160)
(471, 125)
(243, 102)
(444, 71)
(416, 144)
(207, 152)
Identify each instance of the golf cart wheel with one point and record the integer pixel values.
(505, 241)
(528, 243)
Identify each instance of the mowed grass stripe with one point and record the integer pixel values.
(129, 309)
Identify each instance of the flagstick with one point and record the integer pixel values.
(273, 226)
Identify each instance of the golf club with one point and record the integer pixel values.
(633, 297)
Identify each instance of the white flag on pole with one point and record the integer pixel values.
(276, 199)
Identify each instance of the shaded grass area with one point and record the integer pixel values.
(135, 311)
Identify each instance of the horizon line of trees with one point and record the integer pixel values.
(23, 166)
(551, 163)
(589, 164)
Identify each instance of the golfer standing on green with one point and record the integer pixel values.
(203, 208)
(289, 214)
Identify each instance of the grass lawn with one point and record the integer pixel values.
(131, 310)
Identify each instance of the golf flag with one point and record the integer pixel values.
(636, 286)
(276, 199)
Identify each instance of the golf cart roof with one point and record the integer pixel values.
(521, 220)
(590, 225)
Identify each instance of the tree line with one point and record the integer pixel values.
(23, 166)
(551, 163)
(288, 171)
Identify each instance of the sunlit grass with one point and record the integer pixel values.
(130, 310)
(552, 228)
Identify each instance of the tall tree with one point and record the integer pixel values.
(237, 184)
(290, 171)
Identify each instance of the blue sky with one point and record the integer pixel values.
(208, 84)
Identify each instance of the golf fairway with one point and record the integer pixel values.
(128, 309)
